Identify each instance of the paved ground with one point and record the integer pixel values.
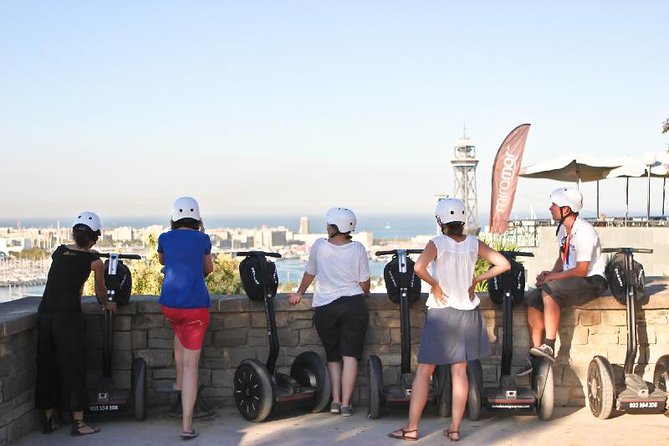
(569, 426)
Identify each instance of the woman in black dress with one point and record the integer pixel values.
(61, 346)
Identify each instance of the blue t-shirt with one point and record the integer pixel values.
(183, 285)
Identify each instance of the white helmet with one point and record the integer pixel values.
(568, 196)
(343, 218)
(89, 219)
(450, 210)
(185, 207)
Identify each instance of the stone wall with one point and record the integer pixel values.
(238, 331)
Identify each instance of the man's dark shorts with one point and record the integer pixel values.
(571, 291)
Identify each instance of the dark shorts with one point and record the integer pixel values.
(571, 291)
(342, 326)
(189, 325)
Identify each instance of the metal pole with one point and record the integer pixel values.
(627, 197)
(664, 193)
(597, 199)
(648, 201)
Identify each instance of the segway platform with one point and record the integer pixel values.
(638, 399)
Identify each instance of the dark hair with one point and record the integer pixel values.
(453, 228)
(84, 236)
(347, 234)
(189, 223)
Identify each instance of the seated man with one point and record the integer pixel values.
(576, 277)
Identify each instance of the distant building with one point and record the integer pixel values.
(304, 225)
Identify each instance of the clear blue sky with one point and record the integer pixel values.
(292, 107)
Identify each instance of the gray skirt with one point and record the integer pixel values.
(452, 336)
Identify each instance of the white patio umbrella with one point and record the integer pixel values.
(574, 168)
(638, 167)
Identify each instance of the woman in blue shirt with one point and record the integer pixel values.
(185, 251)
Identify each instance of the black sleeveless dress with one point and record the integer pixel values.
(61, 346)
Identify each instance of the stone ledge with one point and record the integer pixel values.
(19, 315)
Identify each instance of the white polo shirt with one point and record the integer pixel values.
(584, 246)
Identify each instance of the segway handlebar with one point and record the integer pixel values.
(514, 254)
(394, 251)
(120, 256)
(629, 250)
(258, 253)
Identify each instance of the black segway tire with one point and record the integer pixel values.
(252, 390)
(475, 381)
(443, 401)
(661, 377)
(138, 389)
(543, 383)
(310, 370)
(601, 388)
(375, 386)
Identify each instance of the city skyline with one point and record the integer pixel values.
(294, 107)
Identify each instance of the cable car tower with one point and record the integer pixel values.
(464, 168)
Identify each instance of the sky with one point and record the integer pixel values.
(293, 107)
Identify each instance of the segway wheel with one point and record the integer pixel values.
(442, 381)
(475, 381)
(543, 383)
(661, 376)
(601, 391)
(138, 389)
(310, 370)
(375, 386)
(252, 390)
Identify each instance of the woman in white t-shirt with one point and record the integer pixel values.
(454, 330)
(340, 312)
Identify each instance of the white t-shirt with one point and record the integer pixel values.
(453, 269)
(339, 270)
(584, 246)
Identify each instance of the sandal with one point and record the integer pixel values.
(189, 435)
(450, 434)
(50, 424)
(80, 427)
(403, 435)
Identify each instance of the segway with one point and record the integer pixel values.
(258, 388)
(118, 281)
(508, 289)
(403, 288)
(626, 281)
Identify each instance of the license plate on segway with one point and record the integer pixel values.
(107, 402)
(642, 406)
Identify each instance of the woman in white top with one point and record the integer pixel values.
(454, 330)
(340, 312)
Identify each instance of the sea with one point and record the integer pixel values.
(384, 227)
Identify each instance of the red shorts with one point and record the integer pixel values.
(189, 325)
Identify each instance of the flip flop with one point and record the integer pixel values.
(403, 435)
(189, 435)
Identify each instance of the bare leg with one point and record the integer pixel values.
(460, 391)
(178, 362)
(349, 376)
(419, 391)
(551, 316)
(335, 369)
(535, 321)
(190, 363)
